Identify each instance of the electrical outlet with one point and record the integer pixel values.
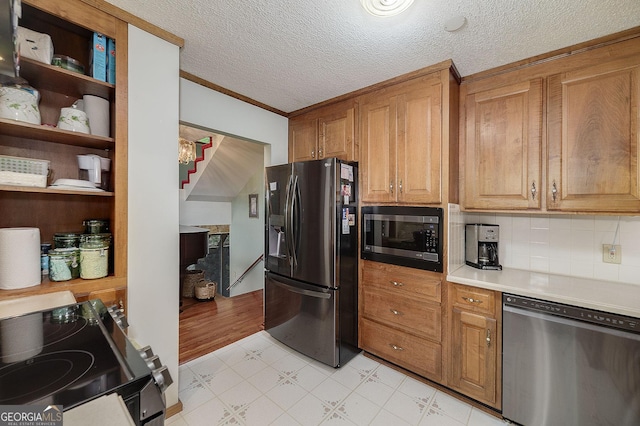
(611, 253)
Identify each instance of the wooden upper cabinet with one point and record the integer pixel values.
(336, 137)
(303, 139)
(593, 138)
(324, 133)
(560, 135)
(502, 152)
(401, 143)
(378, 149)
(419, 146)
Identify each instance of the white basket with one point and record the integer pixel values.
(23, 171)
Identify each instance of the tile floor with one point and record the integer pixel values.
(259, 381)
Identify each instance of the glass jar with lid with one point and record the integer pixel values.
(64, 264)
(94, 255)
(66, 240)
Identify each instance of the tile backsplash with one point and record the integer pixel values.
(558, 244)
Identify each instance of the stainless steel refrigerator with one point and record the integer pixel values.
(311, 252)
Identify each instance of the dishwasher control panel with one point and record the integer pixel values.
(568, 311)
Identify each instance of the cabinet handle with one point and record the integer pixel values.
(554, 191)
(394, 312)
(488, 338)
(471, 300)
(396, 284)
(396, 348)
(391, 186)
(313, 153)
(533, 190)
(400, 186)
(319, 153)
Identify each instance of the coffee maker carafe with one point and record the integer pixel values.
(482, 246)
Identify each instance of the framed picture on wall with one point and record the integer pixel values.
(253, 205)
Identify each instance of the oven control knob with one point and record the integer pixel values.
(162, 377)
(153, 362)
(121, 320)
(118, 316)
(146, 352)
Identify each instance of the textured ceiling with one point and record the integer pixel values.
(290, 54)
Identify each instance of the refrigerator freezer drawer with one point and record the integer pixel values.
(302, 317)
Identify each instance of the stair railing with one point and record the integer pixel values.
(244, 274)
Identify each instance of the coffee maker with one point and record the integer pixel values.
(482, 246)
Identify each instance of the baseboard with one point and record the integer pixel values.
(174, 409)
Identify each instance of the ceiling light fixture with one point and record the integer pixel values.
(186, 151)
(386, 8)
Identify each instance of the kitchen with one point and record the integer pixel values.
(267, 127)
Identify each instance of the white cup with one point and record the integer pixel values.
(97, 110)
(74, 120)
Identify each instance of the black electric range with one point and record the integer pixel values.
(73, 354)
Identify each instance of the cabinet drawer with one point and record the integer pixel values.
(473, 298)
(421, 356)
(409, 282)
(417, 315)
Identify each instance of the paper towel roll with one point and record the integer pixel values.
(97, 110)
(19, 257)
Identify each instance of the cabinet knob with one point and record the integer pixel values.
(471, 300)
(319, 153)
(313, 153)
(394, 312)
(488, 338)
(400, 186)
(396, 348)
(554, 191)
(391, 186)
(533, 190)
(396, 284)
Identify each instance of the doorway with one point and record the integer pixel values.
(225, 194)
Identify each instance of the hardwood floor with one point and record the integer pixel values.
(207, 326)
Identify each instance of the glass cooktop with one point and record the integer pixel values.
(65, 356)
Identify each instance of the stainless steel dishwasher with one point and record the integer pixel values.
(564, 365)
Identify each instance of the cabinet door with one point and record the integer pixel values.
(378, 156)
(474, 355)
(503, 151)
(593, 138)
(336, 135)
(303, 139)
(419, 143)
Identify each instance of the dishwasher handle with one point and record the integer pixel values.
(543, 316)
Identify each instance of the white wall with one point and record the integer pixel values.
(215, 111)
(558, 244)
(194, 213)
(153, 255)
(246, 238)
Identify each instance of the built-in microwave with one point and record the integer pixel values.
(407, 236)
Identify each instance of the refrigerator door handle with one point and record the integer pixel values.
(287, 222)
(295, 195)
(317, 294)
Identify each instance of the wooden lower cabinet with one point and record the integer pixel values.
(475, 342)
(401, 317)
(416, 354)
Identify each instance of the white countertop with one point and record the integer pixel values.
(608, 296)
(191, 229)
